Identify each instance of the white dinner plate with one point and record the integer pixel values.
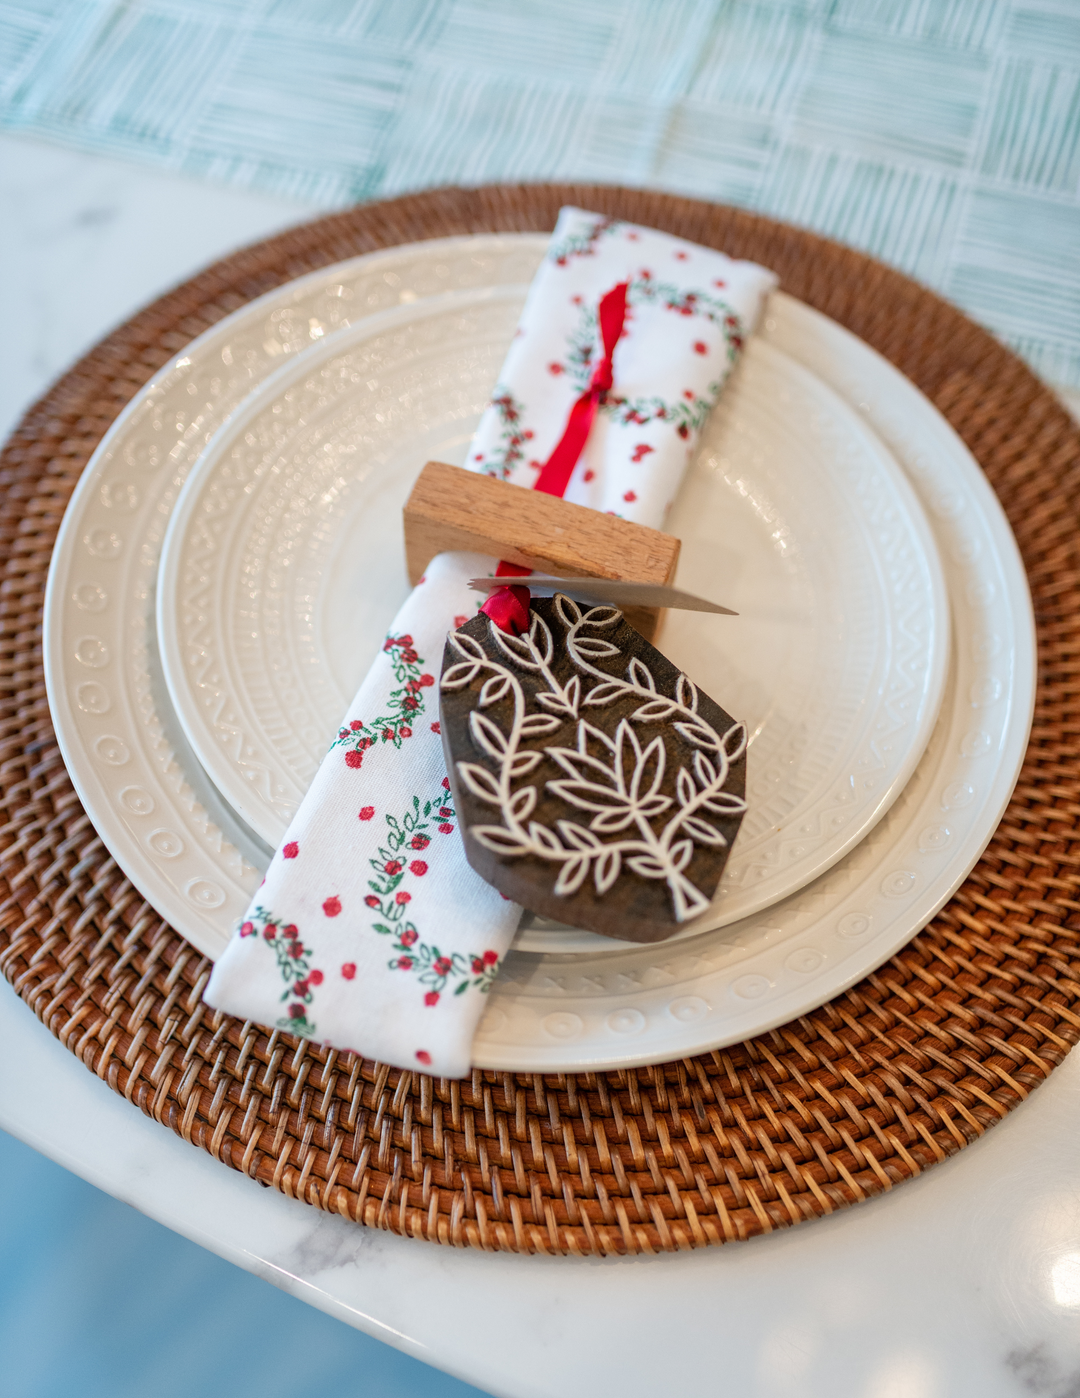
(186, 850)
(284, 560)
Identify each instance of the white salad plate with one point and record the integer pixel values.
(188, 852)
(283, 564)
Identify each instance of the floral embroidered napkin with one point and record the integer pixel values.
(371, 932)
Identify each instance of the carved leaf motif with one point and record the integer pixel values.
(541, 835)
(605, 693)
(467, 646)
(577, 837)
(702, 831)
(686, 693)
(594, 648)
(725, 803)
(523, 803)
(499, 839)
(540, 635)
(704, 770)
(581, 765)
(537, 725)
(519, 649)
(588, 796)
(568, 611)
(698, 733)
(640, 674)
(572, 875)
(487, 736)
(617, 778)
(681, 853)
(627, 754)
(648, 866)
(555, 703)
(480, 782)
(524, 762)
(654, 710)
(587, 733)
(650, 769)
(603, 616)
(607, 869)
(494, 689)
(459, 675)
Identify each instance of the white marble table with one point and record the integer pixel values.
(962, 1284)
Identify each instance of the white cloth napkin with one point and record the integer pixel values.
(370, 931)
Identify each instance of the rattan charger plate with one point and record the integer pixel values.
(898, 1073)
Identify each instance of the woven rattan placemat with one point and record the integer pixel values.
(903, 1070)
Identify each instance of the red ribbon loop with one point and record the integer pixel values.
(508, 607)
(555, 474)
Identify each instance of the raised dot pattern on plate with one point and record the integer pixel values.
(687, 1001)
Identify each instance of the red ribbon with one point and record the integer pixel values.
(508, 607)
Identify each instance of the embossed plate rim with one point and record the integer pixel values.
(888, 487)
(697, 1028)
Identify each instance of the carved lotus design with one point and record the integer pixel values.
(594, 782)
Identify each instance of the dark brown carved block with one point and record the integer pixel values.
(594, 782)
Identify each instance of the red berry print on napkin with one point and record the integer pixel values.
(554, 368)
(436, 728)
(419, 842)
(681, 256)
(371, 901)
(460, 620)
(719, 283)
(431, 998)
(315, 978)
(446, 829)
(629, 497)
(422, 1056)
(290, 851)
(402, 898)
(418, 867)
(641, 451)
(332, 907)
(348, 971)
(589, 476)
(354, 758)
(366, 812)
(446, 783)
(700, 347)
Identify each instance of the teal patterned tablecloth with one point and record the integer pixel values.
(940, 135)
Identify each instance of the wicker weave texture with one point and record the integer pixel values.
(901, 1071)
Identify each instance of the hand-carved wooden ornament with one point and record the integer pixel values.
(595, 784)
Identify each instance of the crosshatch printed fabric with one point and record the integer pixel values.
(370, 931)
(943, 136)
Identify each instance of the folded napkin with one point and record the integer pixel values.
(370, 931)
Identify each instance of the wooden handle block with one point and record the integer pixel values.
(451, 509)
